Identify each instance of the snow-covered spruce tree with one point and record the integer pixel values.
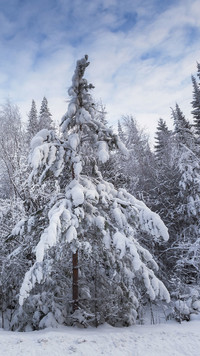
(196, 107)
(164, 194)
(198, 70)
(32, 127)
(187, 248)
(45, 121)
(189, 212)
(188, 165)
(182, 127)
(88, 218)
(162, 138)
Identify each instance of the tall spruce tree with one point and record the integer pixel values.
(176, 198)
(188, 204)
(196, 106)
(182, 127)
(162, 138)
(32, 127)
(164, 194)
(45, 121)
(198, 70)
(89, 219)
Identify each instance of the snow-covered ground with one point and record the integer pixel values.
(170, 339)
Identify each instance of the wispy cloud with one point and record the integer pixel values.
(142, 53)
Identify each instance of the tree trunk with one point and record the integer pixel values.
(75, 270)
(95, 295)
(75, 281)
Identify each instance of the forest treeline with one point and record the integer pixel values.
(97, 225)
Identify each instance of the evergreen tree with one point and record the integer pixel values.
(198, 70)
(182, 127)
(164, 195)
(196, 106)
(189, 213)
(162, 139)
(89, 218)
(32, 127)
(188, 203)
(45, 120)
(165, 190)
(176, 198)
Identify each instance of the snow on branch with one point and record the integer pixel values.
(46, 154)
(58, 215)
(150, 222)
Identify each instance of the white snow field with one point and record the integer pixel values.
(169, 339)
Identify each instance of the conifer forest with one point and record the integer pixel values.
(96, 225)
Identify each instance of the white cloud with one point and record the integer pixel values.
(40, 57)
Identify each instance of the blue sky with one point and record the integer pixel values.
(142, 54)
